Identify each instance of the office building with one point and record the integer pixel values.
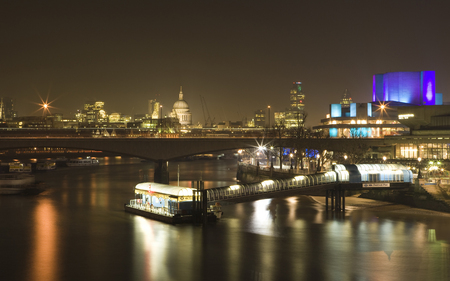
(7, 111)
(293, 116)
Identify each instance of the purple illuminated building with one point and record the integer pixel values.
(413, 88)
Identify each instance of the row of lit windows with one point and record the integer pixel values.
(424, 151)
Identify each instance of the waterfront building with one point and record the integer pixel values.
(361, 120)
(430, 133)
(406, 88)
(392, 93)
(181, 110)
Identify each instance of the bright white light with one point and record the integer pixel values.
(267, 182)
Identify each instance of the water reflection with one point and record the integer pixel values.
(45, 251)
(77, 230)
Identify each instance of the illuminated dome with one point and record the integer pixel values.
(180, 104)
(181, 110)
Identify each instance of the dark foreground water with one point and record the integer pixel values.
(77, 230)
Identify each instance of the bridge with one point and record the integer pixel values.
(162, 150)
(172, 148)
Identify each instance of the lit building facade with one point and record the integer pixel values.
(346, 99)
(260, 119)
(297, 97)
(92, 113)
(154, 108)
(430, 133)
(294, 115)
(393, 93)
(361, 120)
(181, 110)
(7, 111)
(408, 88)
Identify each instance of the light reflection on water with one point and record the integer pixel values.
(77, 230)
(45, 248)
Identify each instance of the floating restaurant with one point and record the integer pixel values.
(168, 203)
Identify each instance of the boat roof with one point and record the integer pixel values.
(165, 189)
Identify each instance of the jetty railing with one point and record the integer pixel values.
(267, 186)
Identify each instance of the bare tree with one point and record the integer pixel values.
(279, 132)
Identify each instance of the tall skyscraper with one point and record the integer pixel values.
(297, 97)
(7, 111)
(295, 115)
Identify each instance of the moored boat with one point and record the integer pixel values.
(16, 183)
(82, 162)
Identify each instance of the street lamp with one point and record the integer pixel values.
(384, 158)
(419, 175)
(291, 155)
(268, 108)
(160, 119)
(271, 157)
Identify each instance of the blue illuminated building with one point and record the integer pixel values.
(361, 120)
(408, 88)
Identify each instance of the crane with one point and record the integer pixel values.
(208, 120)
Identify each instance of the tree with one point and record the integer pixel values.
(355, 149)
(299, 134)
(279, 131)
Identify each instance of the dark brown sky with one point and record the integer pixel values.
(240, 55)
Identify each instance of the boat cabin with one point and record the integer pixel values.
(168, 199)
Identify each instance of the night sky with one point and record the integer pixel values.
(239, 55)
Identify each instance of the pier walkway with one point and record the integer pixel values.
(333, 183)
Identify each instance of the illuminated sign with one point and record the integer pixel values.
(378, 184)
(405, 116)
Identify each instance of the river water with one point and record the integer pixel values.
(77, 230)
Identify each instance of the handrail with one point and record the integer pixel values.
(268, 186)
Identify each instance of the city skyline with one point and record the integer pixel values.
(240, 56)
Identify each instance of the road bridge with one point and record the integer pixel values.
(172, 148)
(162, 150)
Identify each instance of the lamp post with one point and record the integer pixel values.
(240, 155)
(419, 175)
(268, 108)
(291, 156)
(160, 114)
(271, 157)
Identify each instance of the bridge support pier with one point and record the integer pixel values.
(161, 174)
(337, 197)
